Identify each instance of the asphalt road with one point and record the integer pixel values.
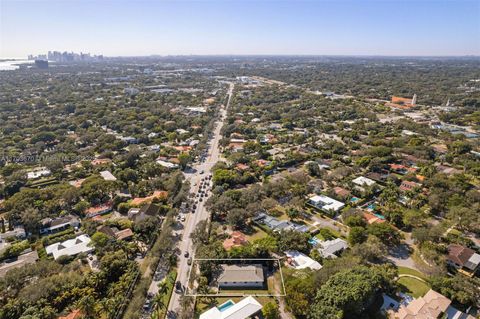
(194, 177)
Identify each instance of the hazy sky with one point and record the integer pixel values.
(136, 27)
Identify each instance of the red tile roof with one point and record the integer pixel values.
(236, 239)
(75, 314)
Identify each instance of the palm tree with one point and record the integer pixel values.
(159, 303)
(87, 306)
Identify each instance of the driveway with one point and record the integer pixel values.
(401, 256)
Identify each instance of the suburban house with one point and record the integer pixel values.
(363, 181)
(464, 259)
(279, 225)
(124, 234)
(50, 226)
(166, 164)
(39, 172)
(402, 102)
(330, 248)
(71, 247)
(326, 203)
(108, 176)
(372, 219)
(431, 306)
(243, 309)
(101, 161)
(138, 214)
(408, 186)
(99, 210)
(241, 276)
(236, 239)
(297, 260)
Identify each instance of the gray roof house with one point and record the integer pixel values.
(279, 225)
(54, 225)
(329, 248)
(237, 276)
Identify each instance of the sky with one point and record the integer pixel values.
(230, 27)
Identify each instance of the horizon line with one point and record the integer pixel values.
(260, 55)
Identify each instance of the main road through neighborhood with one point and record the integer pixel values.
(200, 170)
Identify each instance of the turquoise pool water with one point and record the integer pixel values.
(371, 206)
(313, 241)
(354, 199)
(224, 306)
(379, 216)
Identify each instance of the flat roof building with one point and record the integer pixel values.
(326, 203)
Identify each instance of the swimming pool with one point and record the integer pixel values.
(224, 306)
(313, 241)
(354, 199)
(379, 216)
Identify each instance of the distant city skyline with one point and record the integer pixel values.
(285, 27)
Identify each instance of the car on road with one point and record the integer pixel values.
(183, 218)
(186, 254)
(147, 305)
(178, 286)
(189, 261)
(202, 171)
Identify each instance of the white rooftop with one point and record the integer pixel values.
(241, 310)
(302, 261)
(167, 164)
(361, 181)
(108, 176)
(326, 203)
(70, 247)
(38, 173)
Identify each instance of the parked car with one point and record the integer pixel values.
(178, 286)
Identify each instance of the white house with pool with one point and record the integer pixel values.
(243, 309)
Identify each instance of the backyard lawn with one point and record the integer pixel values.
(413, 287)
(258, 234)
(410, 271)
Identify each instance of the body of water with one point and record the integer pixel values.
(10, 65)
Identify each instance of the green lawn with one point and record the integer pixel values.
(240, 292)
(170, 279)
(410, 271)
(413, 287)
(258, 234)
